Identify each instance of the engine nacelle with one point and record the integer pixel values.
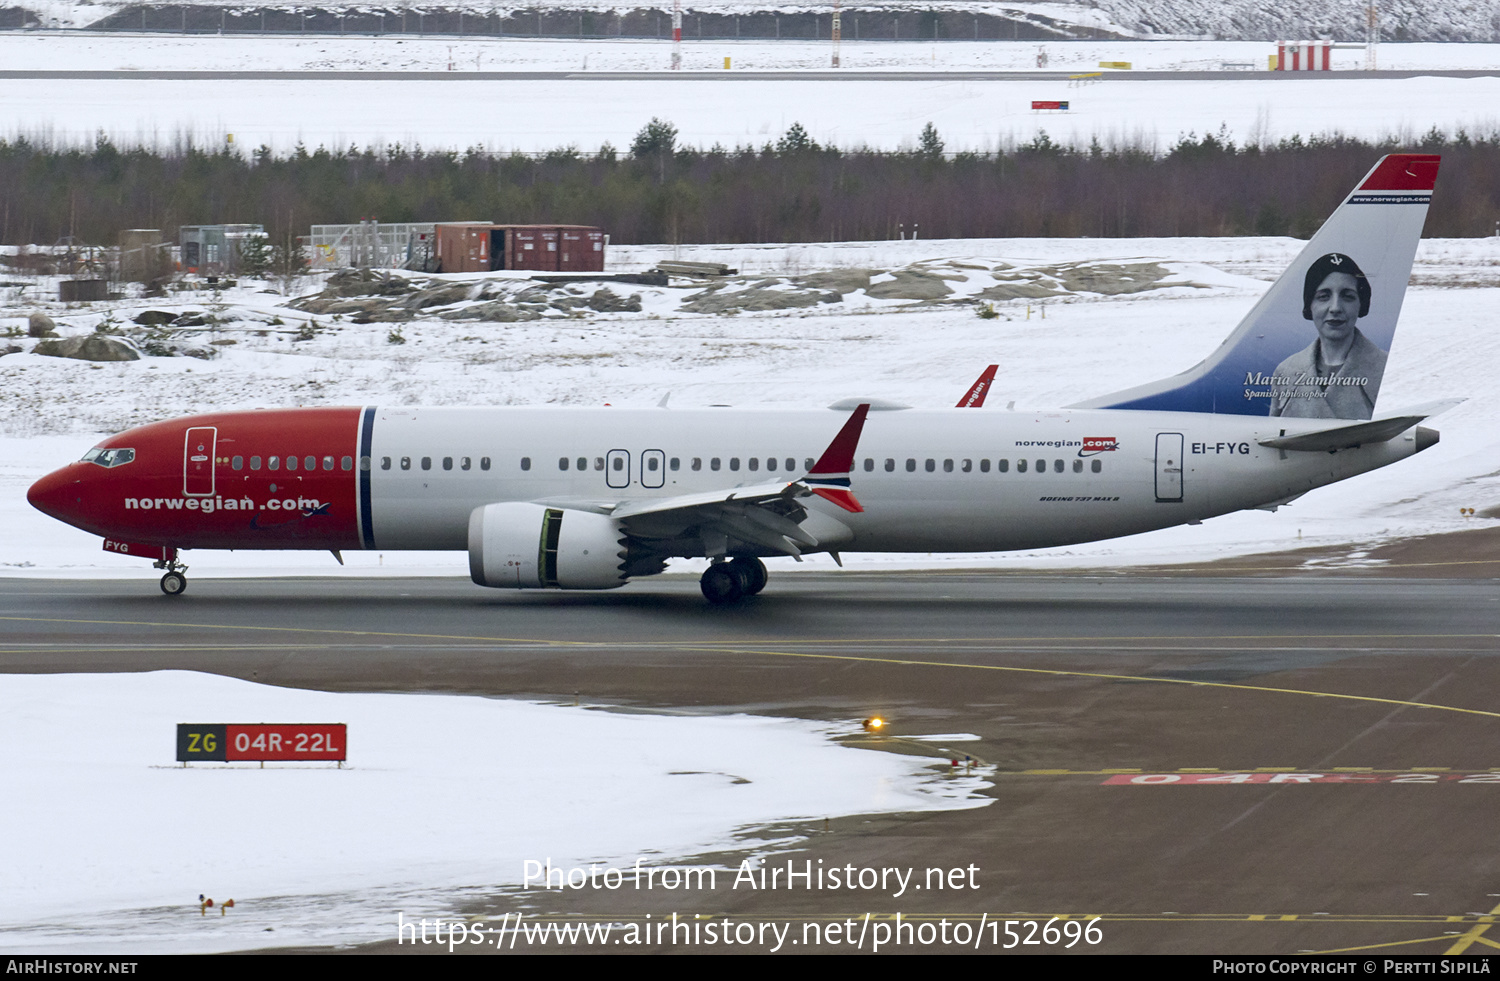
(530, 546)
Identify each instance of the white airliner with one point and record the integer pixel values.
(590, 498)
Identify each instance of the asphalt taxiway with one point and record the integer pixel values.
(1208, 764)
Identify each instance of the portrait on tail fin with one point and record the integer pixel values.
(1338, 375)
(1266, 366)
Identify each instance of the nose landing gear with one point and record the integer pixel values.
(727, 582)
(174, 583)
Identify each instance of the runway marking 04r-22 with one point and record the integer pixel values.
(1284, 779)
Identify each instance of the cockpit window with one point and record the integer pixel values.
(114, 457)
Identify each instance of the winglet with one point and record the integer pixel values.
(829, 477)
(974, 397)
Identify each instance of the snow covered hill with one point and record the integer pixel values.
(1260, 20)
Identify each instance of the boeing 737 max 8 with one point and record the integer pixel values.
(577, 498)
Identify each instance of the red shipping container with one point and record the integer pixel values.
(463, 246)
(533, 247)
(582, 249)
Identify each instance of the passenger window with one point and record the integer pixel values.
(447, 463)
(464, 463)
(619, 463)
(1002, 465)
(583, 463)
(1096, 466)
(869, 465)
(484, 463)
(791, 464)
(754, 463)
(311, 463)
(347, 463)
(984, 466)
(427, 463)
(406, 463)
(562, 463)
(238, 463)
(947, 466)
(598, 463)
(1020, 466)
(808, 464)
(1078, 466)
(1041, 466)
(385, 463)
(526, 463)
(274, 463)
(676, 464)
(734, 463)
(770, 463)
(966, 466)
(931, 464)
(1058, 466)
(291, 463)
(713, 464)
(697, 463)
(255, 463)
(911, 465)
(890, 465)
(328, 463)
(651, 463)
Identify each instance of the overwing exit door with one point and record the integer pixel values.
(653, 468)
(617, 468)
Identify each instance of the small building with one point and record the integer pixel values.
(370, 244)
(214, 249)
(144, 256)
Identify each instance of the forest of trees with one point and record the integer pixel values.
(792, 190)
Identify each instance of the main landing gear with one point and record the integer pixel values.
(174, 583)
(726, 582)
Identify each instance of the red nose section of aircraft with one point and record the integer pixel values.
(275, 479)
(59, 494)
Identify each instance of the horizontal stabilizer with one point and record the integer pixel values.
(1359, 434)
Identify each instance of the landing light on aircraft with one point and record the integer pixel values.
(874, 724)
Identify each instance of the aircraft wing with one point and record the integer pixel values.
(750, 494)
(766, 515)
(769, 515)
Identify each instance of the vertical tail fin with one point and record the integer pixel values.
(1315, 345)
(974, 397)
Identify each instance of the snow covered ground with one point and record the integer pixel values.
(468, 789)
(123, 51)
(540, 115)
(51, 409)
